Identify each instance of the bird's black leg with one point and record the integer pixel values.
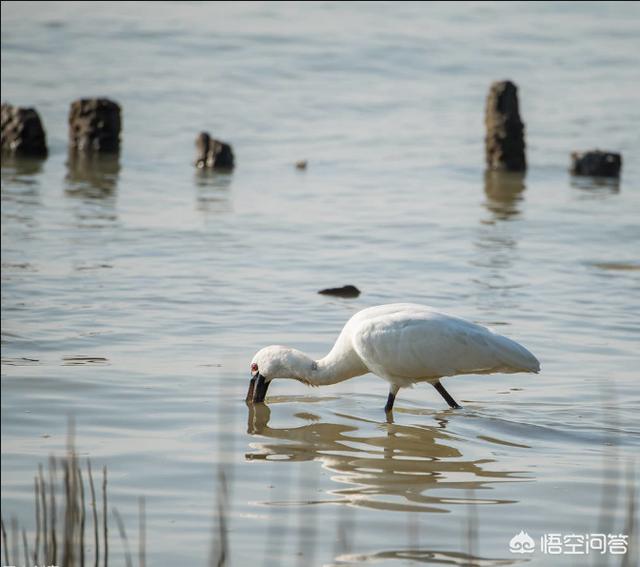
(452, 403)
(392, 398)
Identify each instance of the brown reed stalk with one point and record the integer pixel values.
(43, 497)
(82, 513)
(53, 558)
(67, 550)
(610, 455)
(94, 509)
(25, 547)
(72, 511)
(142, 532)
(629, 558)
(4, 543)
(123, 537)
(105, 526)
(14, 538)
(223, 543)
(36, 491)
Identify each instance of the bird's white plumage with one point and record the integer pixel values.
(403, 343)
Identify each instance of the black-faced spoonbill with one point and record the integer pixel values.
(403, 343)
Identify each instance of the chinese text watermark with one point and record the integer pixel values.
(570, 544)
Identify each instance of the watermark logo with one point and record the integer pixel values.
(571, 544)
(522, 543)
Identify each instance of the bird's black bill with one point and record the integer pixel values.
(252, 387)
(260, 390)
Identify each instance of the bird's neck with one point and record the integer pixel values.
(340, 364)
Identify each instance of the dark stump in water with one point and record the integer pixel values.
(596, 163)
(212, 153)
(344, 291)
(94, 125)
(22, 132)
(504, 142)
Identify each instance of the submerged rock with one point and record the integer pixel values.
(94, 125)
(504, 142)
(212, 153)
(22, 132)
(344, 291)
(596, 163)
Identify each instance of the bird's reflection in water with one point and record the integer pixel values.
(213, 190)
(92, 175)
(381, 465)
(504, 193)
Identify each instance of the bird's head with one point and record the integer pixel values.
(276, 362)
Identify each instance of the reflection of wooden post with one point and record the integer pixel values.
(94, 125)
(504, 140)
(596, 163)
(504, 192)
(213, 153)
(92, 174)
(22, 132)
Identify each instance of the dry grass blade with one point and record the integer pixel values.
(25, 547)
(69, 520)
(14, 538)
(123, 537)
(630, 558)
(43, 498)
(82, 513)
(63, 542)
(219, 557)
(53, 557)
(94, 509)
(105, 525)
(36, 490)
(142, 532)
(4, 543)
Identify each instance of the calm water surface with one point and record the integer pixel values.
(135, 289)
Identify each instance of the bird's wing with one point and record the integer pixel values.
(432, 345)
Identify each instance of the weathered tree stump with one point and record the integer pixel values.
(504, 142)
(94, 125)
(212, 153)
(596, 163)
(22, 132)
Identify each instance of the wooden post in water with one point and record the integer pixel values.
(94, 125)
(504, 142)
(22, 132)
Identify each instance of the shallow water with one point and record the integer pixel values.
(135, 290)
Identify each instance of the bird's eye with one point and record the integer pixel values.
(254, 367)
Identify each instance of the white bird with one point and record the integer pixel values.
(403, 343)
